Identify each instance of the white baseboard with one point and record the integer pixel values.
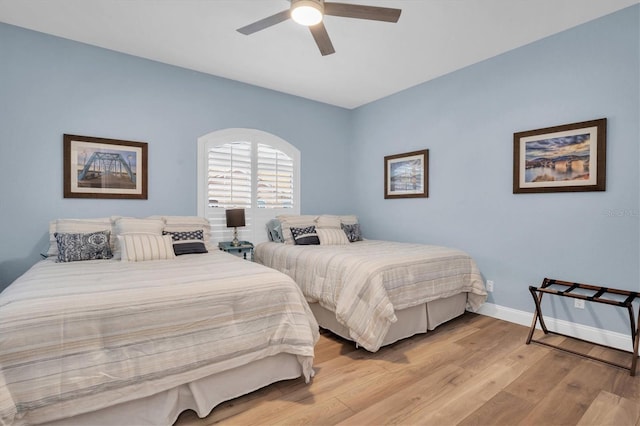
(584, 332)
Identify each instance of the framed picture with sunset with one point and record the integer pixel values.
(567, 158)
(407, 175)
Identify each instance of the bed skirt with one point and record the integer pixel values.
(414, 320)
(200, 396)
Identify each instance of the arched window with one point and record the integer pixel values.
(249, 169)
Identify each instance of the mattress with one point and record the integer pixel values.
(364, 283)
(83, 336)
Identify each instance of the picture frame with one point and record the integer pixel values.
(104, 168)
(407, 175)
(566, 158)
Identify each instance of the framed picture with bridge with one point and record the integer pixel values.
(104, 168)
(567, 158)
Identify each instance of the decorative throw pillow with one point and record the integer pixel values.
(274, 231)
(353, 232)
(331, 236)
(141, 247)
(187, 242)
(190, 223)
(89, 246)
(78, 226)
(294, 221)
(305, 236)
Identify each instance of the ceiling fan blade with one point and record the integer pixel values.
(374, 13)
(265, 23)
(320, 35)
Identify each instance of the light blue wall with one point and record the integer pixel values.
(50, 86)
(467, 119)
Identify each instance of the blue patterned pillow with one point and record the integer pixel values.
(187, 242)
(91, 246)
(352, 231)
(305, 236)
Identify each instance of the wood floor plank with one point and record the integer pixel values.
(402, 403)
(474, 392)
(535, 383)
(610, 409)
(567, 402)
(503, 409)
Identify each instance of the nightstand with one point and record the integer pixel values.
(244, 248)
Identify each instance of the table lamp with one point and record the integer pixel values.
(235, 218)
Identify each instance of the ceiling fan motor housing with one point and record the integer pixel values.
(307, 12)
(318, 3)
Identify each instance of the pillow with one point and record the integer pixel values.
(187, 242)
(83, 246)
(349, 219)
(305, 236)
(332, 236)
(353, 232)
(77, 226)
(274, 231)
(328, 221)
(142, 247)
(189, 223)
(130, 225)
(294, 221)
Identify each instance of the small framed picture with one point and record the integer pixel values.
(407, 175)
(104, 168)
(566, 158)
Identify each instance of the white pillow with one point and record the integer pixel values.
(294, 221)
(142, 247)
(328, 221)
(130, 225)
(349, 219)
(331, 236)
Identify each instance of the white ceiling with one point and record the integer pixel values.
(372, 59)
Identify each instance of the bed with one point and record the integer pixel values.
(371, 292)
(109, 341)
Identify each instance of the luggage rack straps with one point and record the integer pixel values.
(597, 297)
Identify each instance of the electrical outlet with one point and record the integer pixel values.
(489, 285)
(578, 303)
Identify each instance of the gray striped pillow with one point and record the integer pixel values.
(331, 236)
(142, 247)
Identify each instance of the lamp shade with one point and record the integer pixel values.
(235, 217)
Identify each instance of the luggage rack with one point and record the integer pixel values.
(600, 295)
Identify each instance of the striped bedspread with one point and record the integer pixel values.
(77, 337)
(366, 281)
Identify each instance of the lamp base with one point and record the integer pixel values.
(235, 241)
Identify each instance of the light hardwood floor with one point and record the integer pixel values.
(474, 370)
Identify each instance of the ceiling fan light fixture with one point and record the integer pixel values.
(307, 12)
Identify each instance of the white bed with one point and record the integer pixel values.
(377, 292)
(111, 342)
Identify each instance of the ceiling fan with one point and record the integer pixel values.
(310, 13)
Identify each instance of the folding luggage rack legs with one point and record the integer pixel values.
(599, 295)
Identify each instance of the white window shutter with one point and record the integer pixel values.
(275, 178)
(250, 169)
